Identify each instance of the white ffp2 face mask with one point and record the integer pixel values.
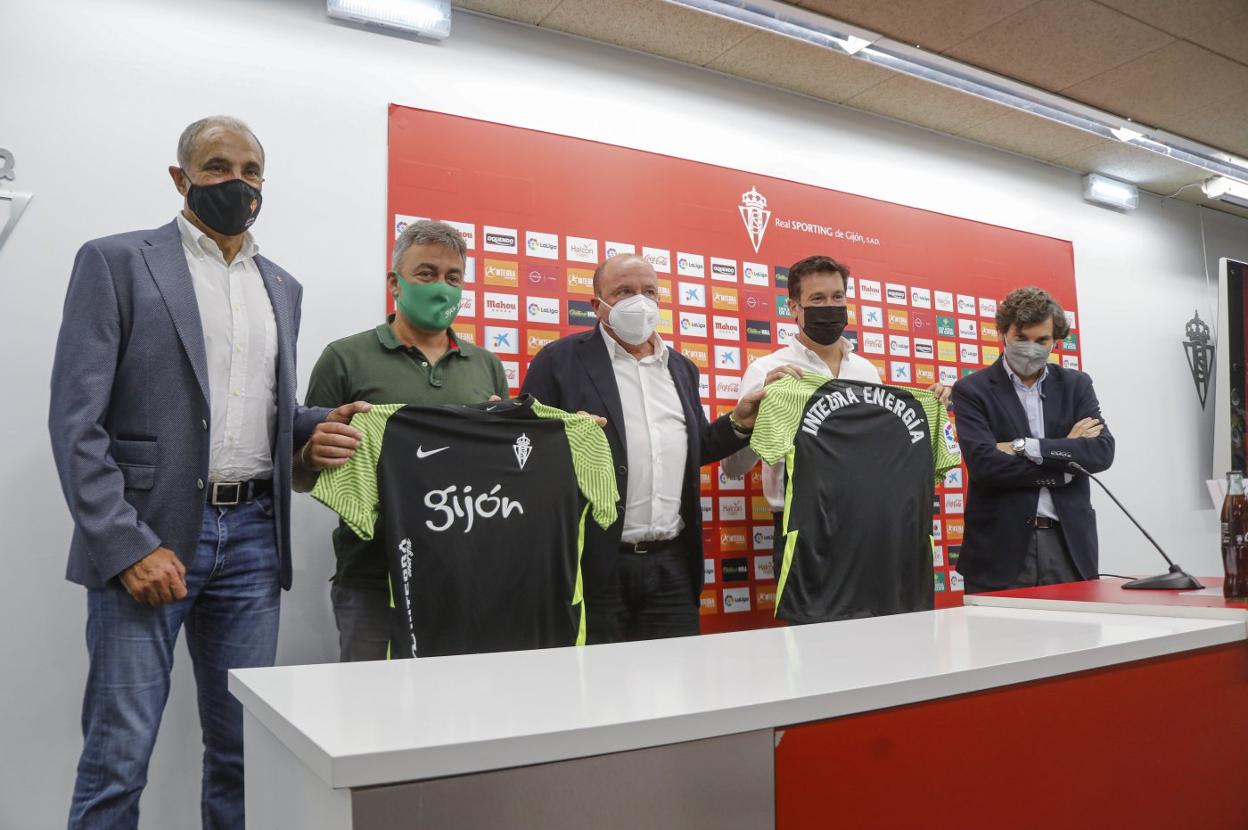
(633, 320)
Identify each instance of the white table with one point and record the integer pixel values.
(623, 730)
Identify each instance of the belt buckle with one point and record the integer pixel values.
(218, 500)
(641, 547)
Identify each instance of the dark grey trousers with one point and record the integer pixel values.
(364, 622)
(1047, 562)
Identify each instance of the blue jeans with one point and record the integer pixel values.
(231, 612)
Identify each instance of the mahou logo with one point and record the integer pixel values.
(755, 215)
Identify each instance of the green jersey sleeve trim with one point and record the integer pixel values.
(351, 490)
(780, 414)
(591, 458)
(945, 451)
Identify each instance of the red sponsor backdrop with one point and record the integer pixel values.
(540, 210)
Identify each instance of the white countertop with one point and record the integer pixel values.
(357, 724)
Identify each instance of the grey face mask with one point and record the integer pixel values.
(1026, 358)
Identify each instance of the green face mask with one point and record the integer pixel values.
(431, 306)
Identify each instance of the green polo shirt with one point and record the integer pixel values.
(374, 366)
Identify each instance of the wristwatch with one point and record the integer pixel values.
(1019, 445)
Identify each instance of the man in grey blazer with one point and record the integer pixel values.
(173, 422)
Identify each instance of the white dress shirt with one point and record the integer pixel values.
(654, 429)
(1032, 399)
(240, 340)
(852, 367)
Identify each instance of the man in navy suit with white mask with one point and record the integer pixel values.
(1021, 422)
(173, 423)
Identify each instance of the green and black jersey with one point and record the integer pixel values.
(862, 462)
(481, 510)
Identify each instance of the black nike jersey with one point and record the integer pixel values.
(862, 461)
(481, 510)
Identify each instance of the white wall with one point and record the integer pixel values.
(94, 96)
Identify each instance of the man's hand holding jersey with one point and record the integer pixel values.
(747, 408)
(334, 440)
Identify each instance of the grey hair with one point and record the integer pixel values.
(426, 232)
(186, 142)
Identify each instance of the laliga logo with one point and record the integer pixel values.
(755, 215)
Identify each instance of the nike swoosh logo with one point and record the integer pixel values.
(421, 453)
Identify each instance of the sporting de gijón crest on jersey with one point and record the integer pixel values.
(482, 510)
(862, 461)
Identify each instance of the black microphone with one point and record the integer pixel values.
(1176, 579)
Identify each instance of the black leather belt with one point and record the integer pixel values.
(647, 547)
(1045, 523)
(230, 493)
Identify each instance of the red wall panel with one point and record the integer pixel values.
(542, 209)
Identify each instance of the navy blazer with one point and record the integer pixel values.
(574, 373)
(130, 418)
(1004, 489)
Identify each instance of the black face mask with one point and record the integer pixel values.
(824, 323)
(229, 208)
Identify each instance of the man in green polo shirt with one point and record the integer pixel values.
(412, 358)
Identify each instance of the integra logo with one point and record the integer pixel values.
(464, 505)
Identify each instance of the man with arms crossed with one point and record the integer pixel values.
(1021, 421)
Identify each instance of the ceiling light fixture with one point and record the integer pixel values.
(1110, 193)
(845, 38)
(853, 44)
(427, 18)
(1226, 190)
(798, 24)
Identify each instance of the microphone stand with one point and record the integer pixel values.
(1176, 579)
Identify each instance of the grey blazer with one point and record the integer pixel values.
(130, 417)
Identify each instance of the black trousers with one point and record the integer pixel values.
(653, 598)
(1048, 562)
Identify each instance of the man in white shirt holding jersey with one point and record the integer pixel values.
(817, 302)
